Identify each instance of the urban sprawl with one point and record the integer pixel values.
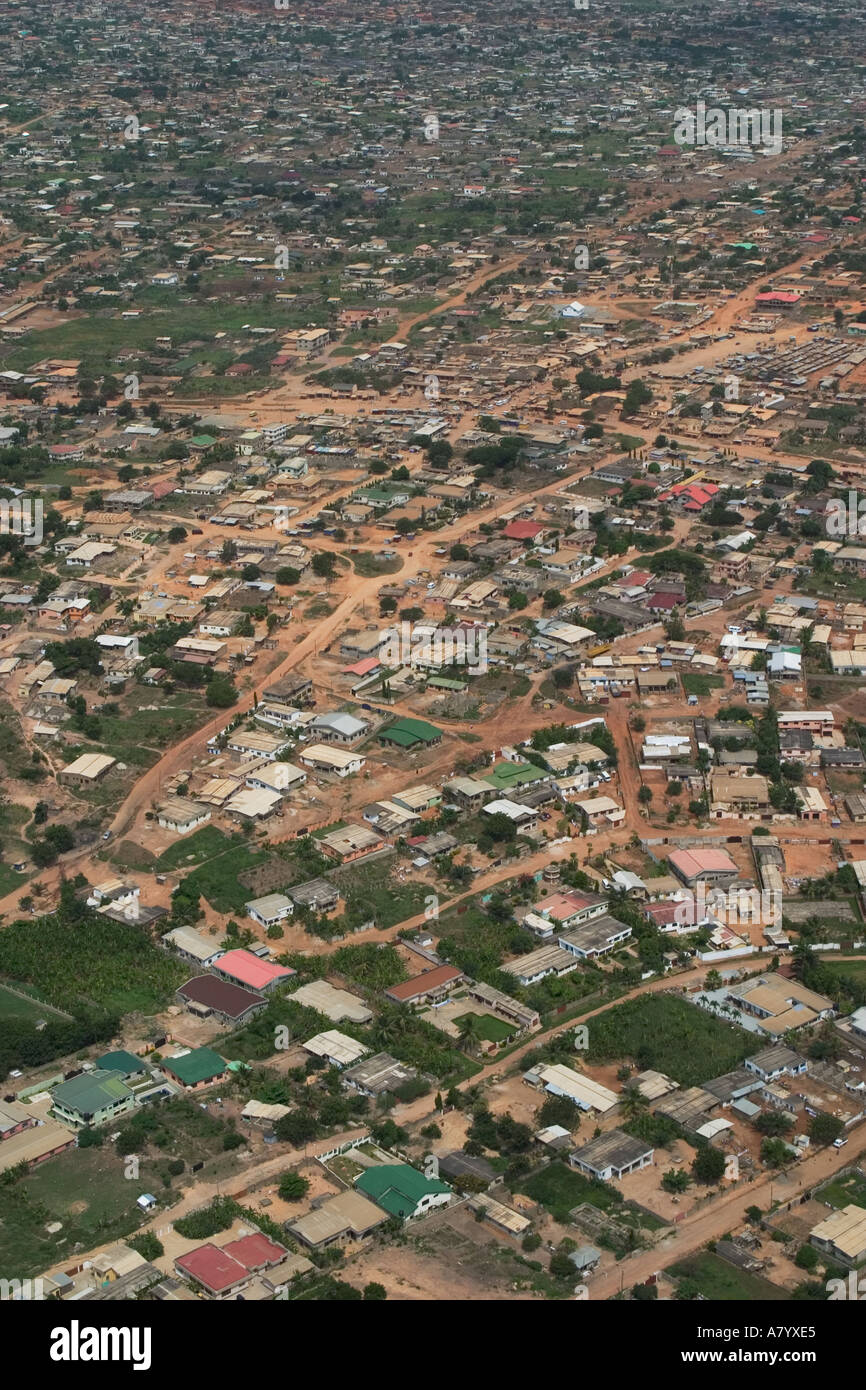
(432, 651)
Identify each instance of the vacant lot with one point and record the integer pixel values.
(85, 1190)
(845, 1189)
(697, 683)
(721, 1282)
(451, 1256)
(217, 879)
(559, 1189)
(670, 1035)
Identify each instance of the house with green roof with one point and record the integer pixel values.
(382, 495)
(196, 1069)
(93, 1098)
(505, 775)
(131, 1068)
(409, 733)
(401, 1190)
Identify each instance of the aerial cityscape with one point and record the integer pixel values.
(432, 654)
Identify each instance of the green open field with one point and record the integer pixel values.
(370, 891)
(194, 849)
(12, 1006)
(216, 862)
(697, 683)
(98, 337)
(139, 736)
(855, 968)
(85, 1190)
(9, 879)
(218, 880)
(721, 1282)
(844, 1190)
(559, 1189)
(491, 1029)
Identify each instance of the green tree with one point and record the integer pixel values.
(293, 1186)
(825, 1129)
(220, 693)
(675, 1180)
(324, 565)
(708, 1164)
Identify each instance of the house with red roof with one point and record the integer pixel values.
(365, 667)
(222, 1272)
(691, 497)
(243, 968)
(572, 909)
(776, 299)
(661, 602)
(635, 579)
(428, 986)
(523, 531)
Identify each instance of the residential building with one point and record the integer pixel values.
(93, 1098)
(612, 1155)
(403, 1191)
(195, 1068)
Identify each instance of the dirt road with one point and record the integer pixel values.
(724, 1213)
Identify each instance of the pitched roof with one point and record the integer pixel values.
(91, 1091)
(199, 1065)
(423, 983)
(250, 970)
(398, 1187)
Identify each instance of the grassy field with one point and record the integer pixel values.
(194, 849)
(855, 968)
(366, 564)
(85, 1190)
(97, 337)
(560, 1189)
(671, 1036)
(9, 879)
(218, 880)
(845, 1189)
(491, 1029)
(12, 1006)
(697, 683)
(721, 1282)
(370, 891)
(216, 861)
(139, 736)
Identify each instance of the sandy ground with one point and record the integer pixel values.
(455, 1263)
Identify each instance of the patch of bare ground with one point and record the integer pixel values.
(448, 1257)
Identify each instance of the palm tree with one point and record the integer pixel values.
(470, 1032)
(633, 1103)
(392, 1024)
